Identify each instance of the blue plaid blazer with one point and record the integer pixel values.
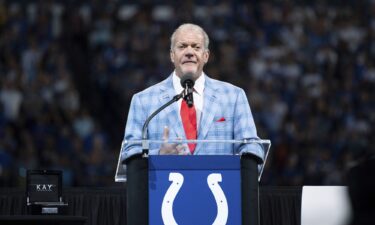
(226, 115)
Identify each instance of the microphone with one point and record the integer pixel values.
(187, 82)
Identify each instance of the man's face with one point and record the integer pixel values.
(189, 54)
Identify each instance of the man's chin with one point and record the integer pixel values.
(193, 71)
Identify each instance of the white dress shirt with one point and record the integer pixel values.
(197, 94)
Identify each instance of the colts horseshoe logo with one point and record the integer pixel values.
(213, 183)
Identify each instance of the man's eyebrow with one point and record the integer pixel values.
(186, 43)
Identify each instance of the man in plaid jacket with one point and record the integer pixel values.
(222, 109)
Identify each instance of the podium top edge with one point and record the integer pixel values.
(244, 141)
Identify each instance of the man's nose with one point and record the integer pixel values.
(189, 51)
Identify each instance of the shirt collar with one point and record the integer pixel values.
(198, 85)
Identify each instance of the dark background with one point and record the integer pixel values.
(68, 70)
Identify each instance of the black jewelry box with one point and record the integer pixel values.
(44, 193)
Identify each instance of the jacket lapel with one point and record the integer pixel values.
(172, 114)
(210, 106)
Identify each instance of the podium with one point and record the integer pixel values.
(193, 189)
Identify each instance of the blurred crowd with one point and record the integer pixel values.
(68, 70)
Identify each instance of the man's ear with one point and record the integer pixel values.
(206, 56)
(171, 54)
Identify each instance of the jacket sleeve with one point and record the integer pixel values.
(244, 127)
(133, 131)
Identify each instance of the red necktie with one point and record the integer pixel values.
(189, 120)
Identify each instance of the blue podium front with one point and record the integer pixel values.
(197, 190)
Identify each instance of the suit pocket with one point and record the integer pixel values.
(221, 129)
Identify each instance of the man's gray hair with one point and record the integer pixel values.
(192, 27)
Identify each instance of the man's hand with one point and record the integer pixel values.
(172, 148)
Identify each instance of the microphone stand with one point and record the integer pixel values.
(145, 142)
